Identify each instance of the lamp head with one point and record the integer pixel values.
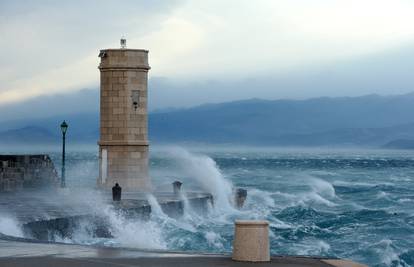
(123, 43)
(64, 127)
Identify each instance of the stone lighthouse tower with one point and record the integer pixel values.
(123, 144)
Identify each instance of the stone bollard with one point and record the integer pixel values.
(240, 197)
(177, 187)
(251, 241)
(116, 192)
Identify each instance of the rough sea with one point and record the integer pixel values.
(355, 204)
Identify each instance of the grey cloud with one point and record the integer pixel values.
(384, 73)
(387, 73)
(42, 35)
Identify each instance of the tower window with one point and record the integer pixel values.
(135, 98)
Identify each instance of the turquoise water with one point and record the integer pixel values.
(345, 203)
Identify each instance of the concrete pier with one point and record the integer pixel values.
(20, 253)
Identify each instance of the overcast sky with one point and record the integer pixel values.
(211, 51)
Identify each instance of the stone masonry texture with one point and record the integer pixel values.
(123, 119)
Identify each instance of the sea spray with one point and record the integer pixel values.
(261, 202)
(156, 209)
(206, 172)
(214, 239)
(321, 191)
(10, 226)
(163, 221)
(126, 231)
(188, 212)
(388, 254)
(353, 228)
(130, 232)
(134, 232)
(321, 187)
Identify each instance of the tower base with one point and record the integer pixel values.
(125, 164)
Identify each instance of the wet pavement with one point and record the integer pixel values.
(19, 253)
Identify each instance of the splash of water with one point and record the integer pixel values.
(388, 255)
(163, 232)
(322, 192)
(206, 172)
(135, 233)
(155, 206)
(10, 226)
(322, 187)
(214, 239)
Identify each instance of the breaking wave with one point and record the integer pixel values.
(10, 226)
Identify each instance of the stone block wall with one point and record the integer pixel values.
(26, 171)
(123, 119)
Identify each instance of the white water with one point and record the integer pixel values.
(322, 187)
(10, 226)
(135, 233)
(163, 232)
(155, 206)
(206, 173)
(153, 234)
(369, 218)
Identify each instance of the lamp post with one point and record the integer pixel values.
(64, 128)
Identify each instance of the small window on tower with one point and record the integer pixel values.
(135, 98)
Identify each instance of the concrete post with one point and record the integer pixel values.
(251, 241)
(177, 187)
(240, 197)
(123, 145)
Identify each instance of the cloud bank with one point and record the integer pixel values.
(216, 50)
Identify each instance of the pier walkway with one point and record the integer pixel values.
(21, 253)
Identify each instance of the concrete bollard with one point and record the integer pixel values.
(177, 187)
(240, 197)
(116, 192)
(251, 241)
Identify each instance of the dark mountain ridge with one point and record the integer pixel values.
(266, 121)
(370, 120)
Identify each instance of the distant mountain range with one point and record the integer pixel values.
(27, 135)
(367, 121)
(400, 144)
(370, 120)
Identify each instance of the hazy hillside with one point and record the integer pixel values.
(27, 135)
(359, 121)
(83, 101)
(83, 128)
(308, 122)
(400, 144)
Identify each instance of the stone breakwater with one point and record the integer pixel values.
(49, 215)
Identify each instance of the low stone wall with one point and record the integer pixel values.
(98, 226)
(50, 230)
(26, 171)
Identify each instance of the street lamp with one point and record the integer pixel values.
(64, 128)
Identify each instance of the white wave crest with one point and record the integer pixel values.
(10, 226)
(206, 172)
